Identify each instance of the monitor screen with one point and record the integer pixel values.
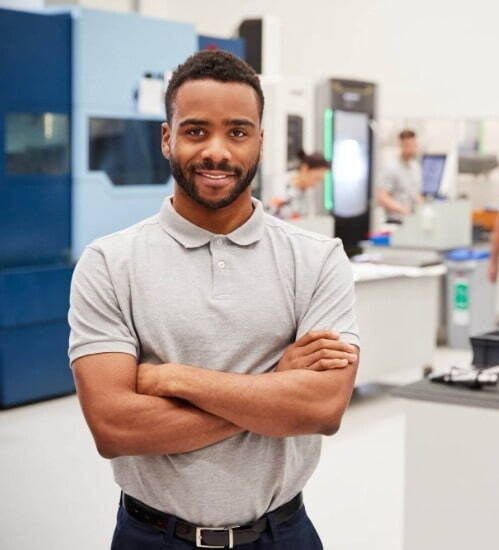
(128, 150)
(433, 169)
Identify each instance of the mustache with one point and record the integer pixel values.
(210, 165)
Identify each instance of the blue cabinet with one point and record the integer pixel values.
(35, 203)
(34, 333)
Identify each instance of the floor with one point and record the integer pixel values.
(58, 493)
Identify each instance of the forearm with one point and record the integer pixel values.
(389, 203)
(148, 425)
(276, 404)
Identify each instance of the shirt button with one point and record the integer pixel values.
(221, 264)
(220, 242)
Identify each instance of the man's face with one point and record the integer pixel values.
(408, 148)
(315, 176)
(214, 140)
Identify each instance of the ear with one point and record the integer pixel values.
(261, 141)
(165, 139)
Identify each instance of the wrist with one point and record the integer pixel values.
(156, 380)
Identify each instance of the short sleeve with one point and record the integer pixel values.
(332, 303)
(95, 318)
(388, 180)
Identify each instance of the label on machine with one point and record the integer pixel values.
(461, 306)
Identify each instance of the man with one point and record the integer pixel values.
(183, 332)
(401, 186)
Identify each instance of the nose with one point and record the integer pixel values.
(216, 150)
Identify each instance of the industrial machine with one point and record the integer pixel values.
(35, 198)
(262, 38)
(345, 113)
(80, 134)
(288, 127)
(120, 175)
(236, 46)
(436, 225)
(442, 222)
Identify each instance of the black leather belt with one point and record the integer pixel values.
(211, 537)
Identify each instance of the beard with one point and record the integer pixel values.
(186, 180)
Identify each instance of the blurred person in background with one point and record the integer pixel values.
(401, 185)
(296, 202)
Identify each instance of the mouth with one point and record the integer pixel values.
(215, 178)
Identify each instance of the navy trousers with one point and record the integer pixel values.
(298, 533)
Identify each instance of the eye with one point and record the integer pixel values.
(195, 132)
(236, 132)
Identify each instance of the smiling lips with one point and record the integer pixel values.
(215, 178)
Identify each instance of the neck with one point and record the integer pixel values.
(299, 181)
(220, 221)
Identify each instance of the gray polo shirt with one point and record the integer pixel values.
(404, 181)
(165, 290)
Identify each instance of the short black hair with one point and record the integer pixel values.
(407, 134)
(216, 65)
(314, 160)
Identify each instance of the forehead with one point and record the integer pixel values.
(210, 99)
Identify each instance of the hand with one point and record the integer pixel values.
(320, 350)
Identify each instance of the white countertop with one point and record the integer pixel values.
(366, 271)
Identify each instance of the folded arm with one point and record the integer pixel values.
(124, 422)
(276, 404)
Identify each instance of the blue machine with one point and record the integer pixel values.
(35, 199)
(237, 46)
(120, 176)
(35, 106)
(79, 161)
(34, 333)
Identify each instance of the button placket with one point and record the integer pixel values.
(219, 250)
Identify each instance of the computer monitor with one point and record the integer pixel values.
(433, 170)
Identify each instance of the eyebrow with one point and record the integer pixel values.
(226, 122)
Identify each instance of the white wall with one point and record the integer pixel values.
(23, 5)
(431, 57)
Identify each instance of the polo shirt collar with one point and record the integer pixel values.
(192, 236)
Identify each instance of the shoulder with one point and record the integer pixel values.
(125, 239)
(305, 244)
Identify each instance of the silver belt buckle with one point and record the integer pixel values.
(199, 535)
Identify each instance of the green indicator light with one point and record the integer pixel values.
(328, 153)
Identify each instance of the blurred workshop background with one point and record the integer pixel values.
(401, 99)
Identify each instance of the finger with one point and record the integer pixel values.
(328, 364)
(308, 360)
(327, 343)
(315, 335)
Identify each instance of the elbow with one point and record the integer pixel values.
(106, 448)
(106, 452)
(106, 442)
(330, 428)
(330, 423)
